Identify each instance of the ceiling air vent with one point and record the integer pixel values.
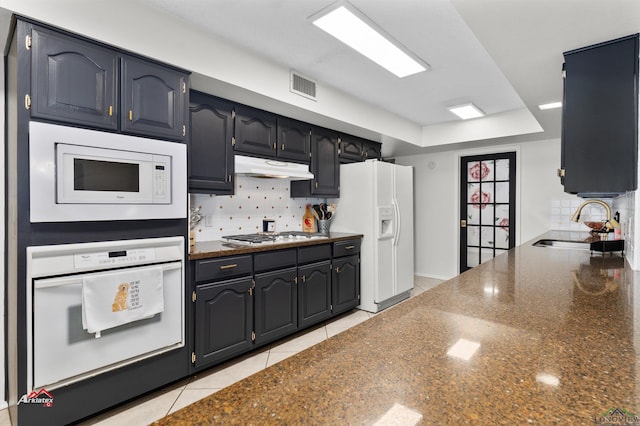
(302, 86)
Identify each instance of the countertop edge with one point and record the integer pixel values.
(213, 249)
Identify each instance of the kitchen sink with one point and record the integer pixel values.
(563, 244)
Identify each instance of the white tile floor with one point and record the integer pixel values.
(152, 407)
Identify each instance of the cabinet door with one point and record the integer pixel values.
(371, 150)
(325, 166)
(314, 293)
(73, 81)
(345, 283)
(294, 140)
(275, 305)
(350, 149)
(224, 320)
(210, 151)
(600, 118)
(154, 99)
(255, 131)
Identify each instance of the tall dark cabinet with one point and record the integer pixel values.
(210, 153)
(325, 166)
(58, 77)
(600, 118)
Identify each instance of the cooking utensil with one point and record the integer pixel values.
(323, 209)
(318, 211)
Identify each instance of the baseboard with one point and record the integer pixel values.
(437, 277)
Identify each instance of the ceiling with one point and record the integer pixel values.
(502, 55)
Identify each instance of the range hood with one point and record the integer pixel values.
(270, 168)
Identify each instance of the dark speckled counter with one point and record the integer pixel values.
(558, 342)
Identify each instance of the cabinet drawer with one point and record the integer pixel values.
(345, 248)
(314, 253)
(271, 260)
(223, 268)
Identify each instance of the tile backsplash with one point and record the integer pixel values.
(562, 210)
(255, 199)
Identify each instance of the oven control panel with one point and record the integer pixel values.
(113, 258)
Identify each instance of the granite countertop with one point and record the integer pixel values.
(209, 249)
(557, 333)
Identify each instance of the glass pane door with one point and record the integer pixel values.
(487, 207)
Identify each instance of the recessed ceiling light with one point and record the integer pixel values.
(354, 29)
(550, 105)
(467, 111)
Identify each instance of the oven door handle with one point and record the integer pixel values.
(77, 279)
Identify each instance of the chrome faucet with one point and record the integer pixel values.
(609, 224)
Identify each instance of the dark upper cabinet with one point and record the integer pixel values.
(76, 81)
(294, 140)
(314, 293)
(353, 149)
(276, 305)
(73, 80)
(600, 118)
(154, 99)
(210, 153)
(345, 283)
(325, 166)
(350, 149)
(223, 320)
(255, 131)
(371, 150)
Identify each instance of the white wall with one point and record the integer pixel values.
(437, 193)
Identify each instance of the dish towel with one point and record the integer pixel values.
(116, 298)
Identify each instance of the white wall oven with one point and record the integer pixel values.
(94, 307)
(87, 175)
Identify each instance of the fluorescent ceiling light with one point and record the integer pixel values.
(550, 105)
(467, 111)
(344, 24)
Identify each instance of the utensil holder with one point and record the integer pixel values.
(323, 226)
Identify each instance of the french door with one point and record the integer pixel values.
(487, 207)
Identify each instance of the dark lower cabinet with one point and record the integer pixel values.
(276, 305)
(345, 282)
(223, 320)
(248, 300)
(314, 293)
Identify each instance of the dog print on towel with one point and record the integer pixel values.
(120, 301)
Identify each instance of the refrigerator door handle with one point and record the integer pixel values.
(396, 220)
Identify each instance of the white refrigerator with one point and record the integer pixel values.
(376, 200)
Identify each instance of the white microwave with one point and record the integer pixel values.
(84, 175)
